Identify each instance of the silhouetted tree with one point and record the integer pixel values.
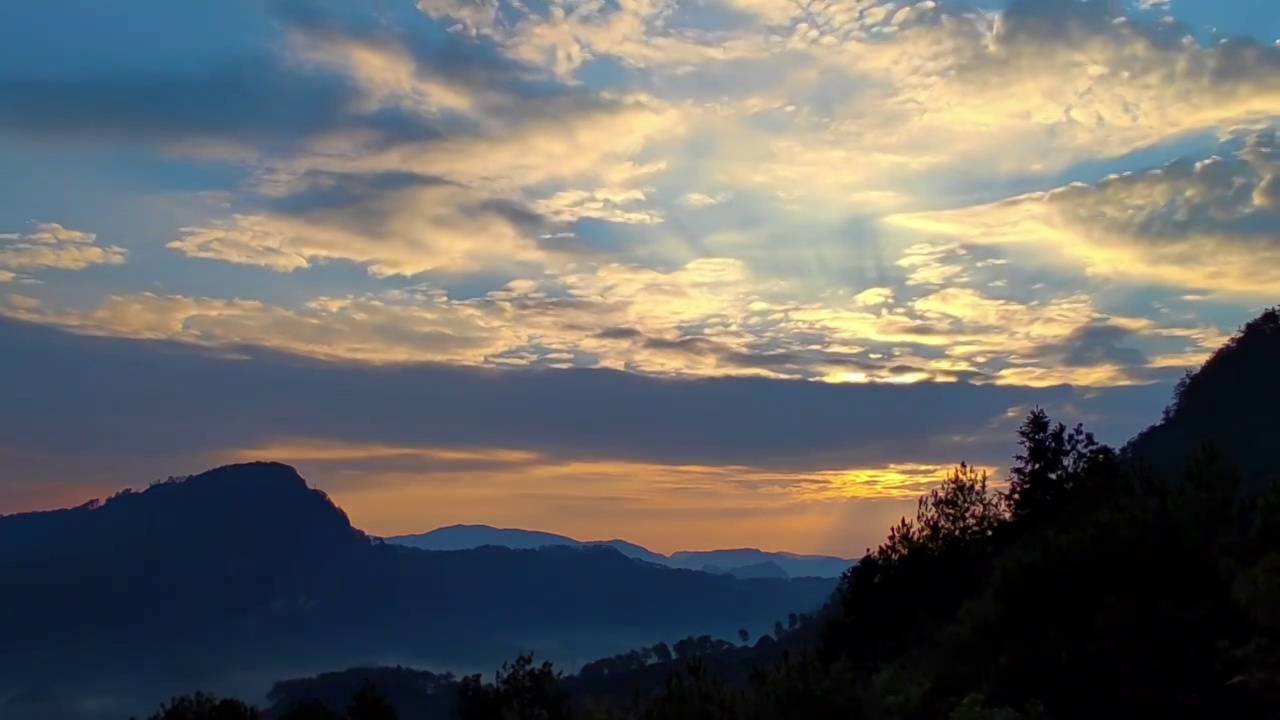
(662, 652)
(1055, 467)
(309, 710)
(1178, 389)
(202, 706)
(520, 691)
(369, 704)
(695, 695)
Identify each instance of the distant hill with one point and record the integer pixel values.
(766, 569)
(632, 550)
(792, 564)
(469, 537)
(744, 562)
(245, 567)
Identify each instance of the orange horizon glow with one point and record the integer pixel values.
(388, 490)
(393, 490)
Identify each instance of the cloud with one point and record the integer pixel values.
(1098, 81)
(560, 140)
(361, 329)
(718, 358)
(446, 156)
(655, 480)
(482, 119)
(563, 38)
(164, 400)
(565, 322)
(344, 93)
(429, 459)
(50, 246)
(889, 106)
(1204, 226)
(711, 317)
(405, 229)
(478, 196)
(243, 104)
(1100, 344)
(311, 69)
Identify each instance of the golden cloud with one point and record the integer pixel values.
(401, 231)
(1206, 227)
(710, 317)
(50, 246)
(882, 106)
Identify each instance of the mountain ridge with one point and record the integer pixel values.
(272, 574)
(470, 536)
(271, 502)
(1211, 406)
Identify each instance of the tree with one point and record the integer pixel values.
(202, 706)
(960, 511)
(1178, 391)
(369, 704)
(662, 652)
(696, 695)
(900, 595)
(1055, 467)
(309, 710)
(521, 690)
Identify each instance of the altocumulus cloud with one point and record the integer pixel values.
(47, 246)
(1206, 225)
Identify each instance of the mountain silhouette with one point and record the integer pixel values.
(766, 569)
(257, 507)
(753, 561)
(245, 566)
(1229, 403)
(741, 562)
(469, 537)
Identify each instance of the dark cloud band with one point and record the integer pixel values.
(102, 398)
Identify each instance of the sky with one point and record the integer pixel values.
(697, 274)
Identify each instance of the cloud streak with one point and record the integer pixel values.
(743, 421)
(1205, 225)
